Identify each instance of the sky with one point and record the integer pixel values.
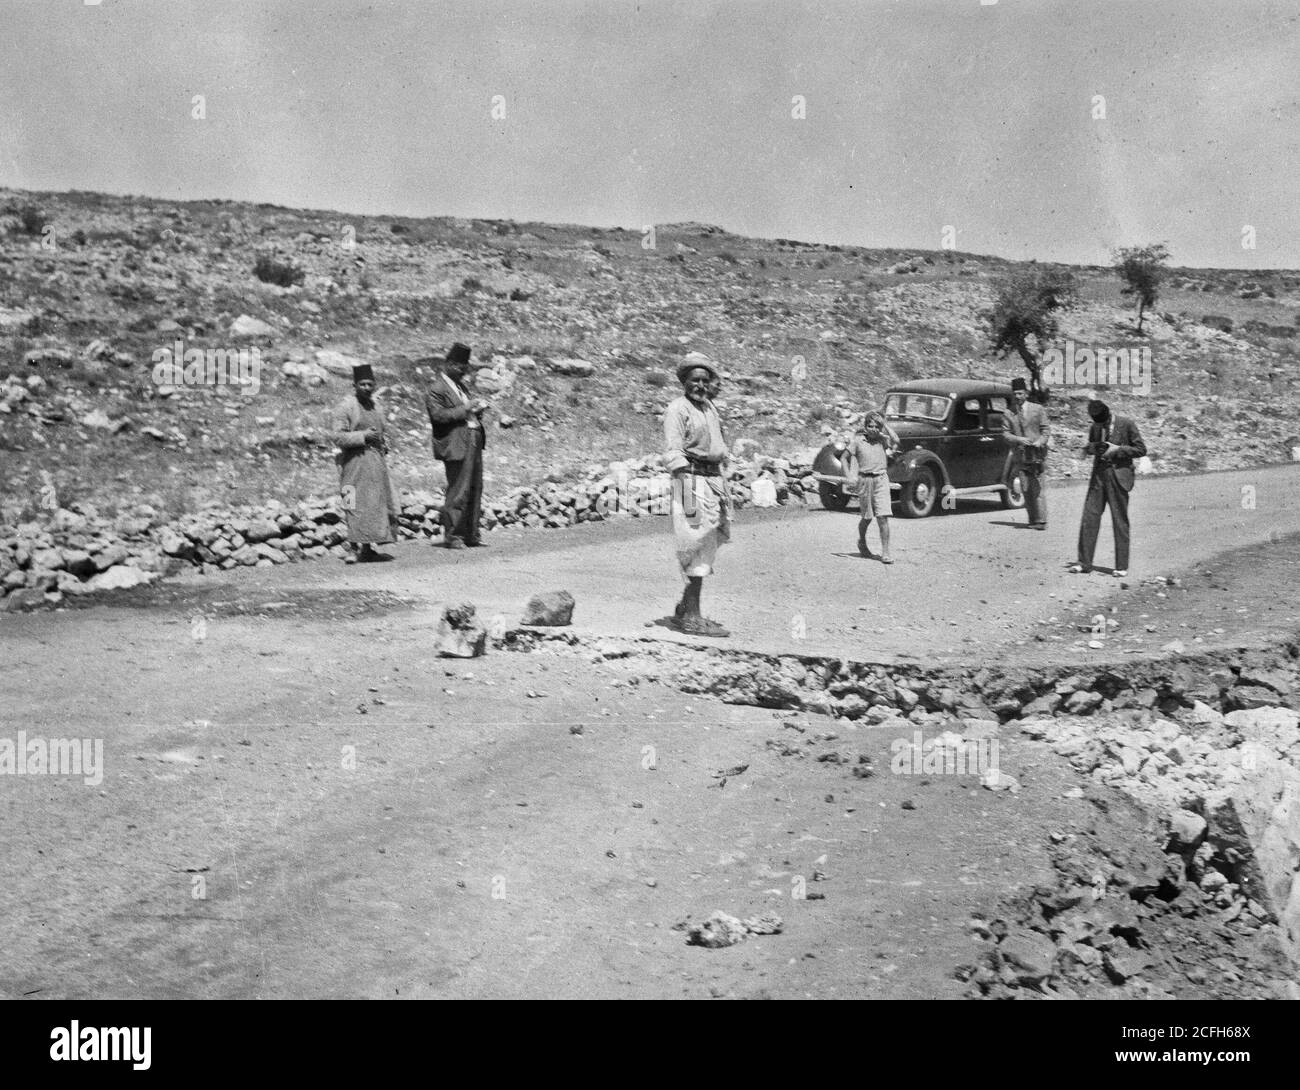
(918, 115)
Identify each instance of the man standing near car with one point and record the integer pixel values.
(458, 442)
(695, 453)
(1027, 427)
(1113, 442)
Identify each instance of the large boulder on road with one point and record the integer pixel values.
(553, 609)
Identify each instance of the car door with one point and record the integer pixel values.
(994, 444)
(966, 451)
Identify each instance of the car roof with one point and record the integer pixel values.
(953, 387)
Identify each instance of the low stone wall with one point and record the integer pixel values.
(77, 551)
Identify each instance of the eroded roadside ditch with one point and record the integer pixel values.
(1203, 751)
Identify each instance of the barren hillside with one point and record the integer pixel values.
(584, 325)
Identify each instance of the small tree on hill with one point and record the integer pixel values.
(1024, 318)
(1142, 268)
(31, 220)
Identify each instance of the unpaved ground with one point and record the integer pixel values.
(791, 582)
(226, 775)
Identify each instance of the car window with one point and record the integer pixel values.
(967, 416)
(995, 413)
(916, 406)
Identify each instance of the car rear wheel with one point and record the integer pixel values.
(918, 495)
(832, 496)
(1013, 499)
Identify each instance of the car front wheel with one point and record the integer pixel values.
(832, 496)
(920, 493)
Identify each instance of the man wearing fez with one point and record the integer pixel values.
(1027, 426)
(458, 441)
(370, 501)
(701, 507)
(1113, 442)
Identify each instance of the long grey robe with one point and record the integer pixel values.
(370, 501)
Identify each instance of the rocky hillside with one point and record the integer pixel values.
(582, 328)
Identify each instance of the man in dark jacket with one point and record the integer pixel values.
(1113, 442)
(458, 442)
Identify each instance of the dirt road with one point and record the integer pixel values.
(305, 801)
(792, 582)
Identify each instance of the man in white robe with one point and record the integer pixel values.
(701, 508)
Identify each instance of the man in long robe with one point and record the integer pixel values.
(701, 507)
(370, 501)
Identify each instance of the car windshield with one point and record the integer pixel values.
(916, 406)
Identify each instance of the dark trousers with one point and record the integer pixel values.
(1104, 490)
(464, 500)
(1035, 495)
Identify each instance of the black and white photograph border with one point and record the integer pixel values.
(867, 434)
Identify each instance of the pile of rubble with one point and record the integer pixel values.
(1134, 922)
(1210, 746)
(75, 552)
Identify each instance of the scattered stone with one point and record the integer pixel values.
(1026, 956)
(1186, 830)
(336, 363)
(248, 326)
(1081, 703)
(120, 578)
(767, 924)
(460, 634)
(553, 609)
(1122, 965)
(573, 367)
(996, 780)
(717, 931)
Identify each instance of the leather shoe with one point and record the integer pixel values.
(454, 543)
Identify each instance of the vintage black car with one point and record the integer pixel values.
(952, 443)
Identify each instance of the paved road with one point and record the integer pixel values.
(792, 582)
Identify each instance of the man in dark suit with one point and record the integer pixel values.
(1113, 442)
(458, 442)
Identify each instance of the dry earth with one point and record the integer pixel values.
(365, 819)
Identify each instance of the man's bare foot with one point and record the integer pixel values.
(886, 559)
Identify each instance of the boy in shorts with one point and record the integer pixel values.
(870, 450)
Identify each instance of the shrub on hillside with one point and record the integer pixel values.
(1142, 268)
(32, 220)
(271, 270)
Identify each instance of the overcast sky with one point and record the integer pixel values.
(919, 114)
